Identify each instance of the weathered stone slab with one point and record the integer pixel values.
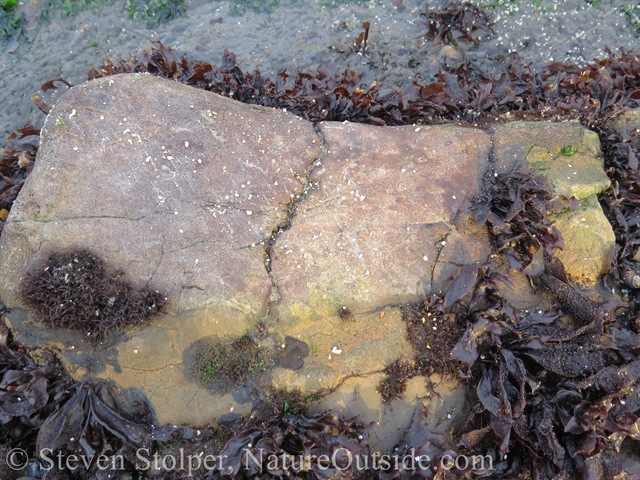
(569, 156)
(371, 230)
(174, 185)
(626, 122)
(539, 146)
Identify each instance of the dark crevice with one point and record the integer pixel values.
(137, 219)
(290, 210)
(155, 270)
(439, 247)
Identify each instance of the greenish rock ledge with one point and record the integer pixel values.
(569, 156)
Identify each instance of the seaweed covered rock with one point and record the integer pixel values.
(569, 156)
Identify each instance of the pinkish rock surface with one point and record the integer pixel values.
(175, 186)
(384, 201)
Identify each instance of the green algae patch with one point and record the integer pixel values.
(155, 12)
(572, 171)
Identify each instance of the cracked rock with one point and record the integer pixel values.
(176, 186)
(372, 228)
(246, 216)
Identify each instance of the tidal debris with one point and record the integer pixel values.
(433, 331)
(73, 290)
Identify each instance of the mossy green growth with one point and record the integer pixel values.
(8, 4)
(71, 7)
(155, 12)
(209, 369)
(633, 16)
(569, 150)
(11, 24)
(289, 410)
(223, 364)
(270, 402)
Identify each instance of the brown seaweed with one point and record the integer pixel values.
(325, 435)
(516, 205)
(294, 351)
(16, 162)
(463, 17)
(29, 393)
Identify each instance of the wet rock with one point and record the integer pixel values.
(569, 156)
(178, 188)
(341, 349)
(445, 401)
(626, 122)
(384, 223)
(589, 229)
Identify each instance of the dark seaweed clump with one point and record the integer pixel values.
(553, 400)
(433, 331)
(30, 391)
(292, 437)
(465, 18)
(41, 407)
(516, 205)
(74, 291)
(16, 162)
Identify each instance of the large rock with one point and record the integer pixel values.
(184, 190)
(569, 156)
(241, 215)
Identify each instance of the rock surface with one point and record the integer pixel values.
(569, 156)
(242, 215)
(377, 220)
